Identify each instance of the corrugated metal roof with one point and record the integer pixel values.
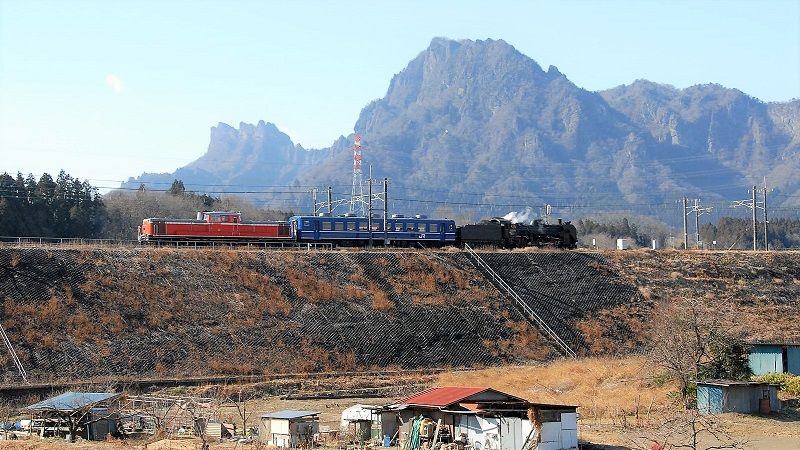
(290, 414)
(734, 383)
(70, 401)
(442, 396)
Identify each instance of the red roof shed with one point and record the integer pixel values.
(440, 397)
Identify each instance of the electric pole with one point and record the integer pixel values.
(698, 211)
(330, 201)
(314, 199)
(685, 227)
(755, 240)
(766, 221)
(385, 210)
(697, 223)
(752, 203)
(369, 216)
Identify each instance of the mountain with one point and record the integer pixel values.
(250, 156)
(471, 124)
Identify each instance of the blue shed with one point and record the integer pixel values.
(774, 357)
(721, 396)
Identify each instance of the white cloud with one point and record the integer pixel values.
(115, 83)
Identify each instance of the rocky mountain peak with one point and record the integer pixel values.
(479, 117)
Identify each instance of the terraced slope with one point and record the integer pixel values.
(163, 312)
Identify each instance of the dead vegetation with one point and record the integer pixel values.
(80, 313)
(740, 286)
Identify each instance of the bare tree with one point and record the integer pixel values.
(688, 429)
(690, 342)
(7, 410)
(239, 398)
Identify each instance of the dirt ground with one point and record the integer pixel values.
(752, 432)
(620, 402)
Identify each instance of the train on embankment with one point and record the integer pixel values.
(353, 231)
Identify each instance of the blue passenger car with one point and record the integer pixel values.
(402, 231)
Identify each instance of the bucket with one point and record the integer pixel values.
(387, 441)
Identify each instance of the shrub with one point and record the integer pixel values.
(789, 384)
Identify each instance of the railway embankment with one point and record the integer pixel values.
(75, 314)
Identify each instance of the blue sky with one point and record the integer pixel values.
(109, 89)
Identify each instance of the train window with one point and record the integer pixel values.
(307, 224)
(326, 226)
(339, 225)
(451, 227)
(363, 225)
(434, 227)
(398, 226)
(377, 226)
(351, 226)
(421, 227)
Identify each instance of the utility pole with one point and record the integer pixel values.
(752, 203)
(330, 200)
(685, 227)
(766, 221)
(369, 215)
(385, 210)
(755, 240)
(314, 198)
(697, 223)
(698, 211)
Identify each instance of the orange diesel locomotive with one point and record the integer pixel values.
(212, 225)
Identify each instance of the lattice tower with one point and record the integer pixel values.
(357, 202)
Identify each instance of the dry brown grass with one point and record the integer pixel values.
(380, 301)
(428, 282)
(601, 387)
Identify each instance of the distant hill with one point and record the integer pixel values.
(477, 122)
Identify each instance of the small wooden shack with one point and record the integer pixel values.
(722, 396)
(779, 357)
(85, 414)
(480, 417)
(289, 428)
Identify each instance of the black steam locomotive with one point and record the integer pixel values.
(501, 232)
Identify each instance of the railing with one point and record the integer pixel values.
(498, 281)
(14, 356)
(21, 241)
(32, 241)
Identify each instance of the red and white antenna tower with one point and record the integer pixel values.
(357, 202)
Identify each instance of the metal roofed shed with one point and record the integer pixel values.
(767, 357)
(71, 401)
(478, 417)
(289, 428)
(70, 413)
(722, 396)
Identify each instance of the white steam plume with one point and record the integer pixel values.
(525, 215)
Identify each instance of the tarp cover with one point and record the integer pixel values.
(71, 401)
(290, 414)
